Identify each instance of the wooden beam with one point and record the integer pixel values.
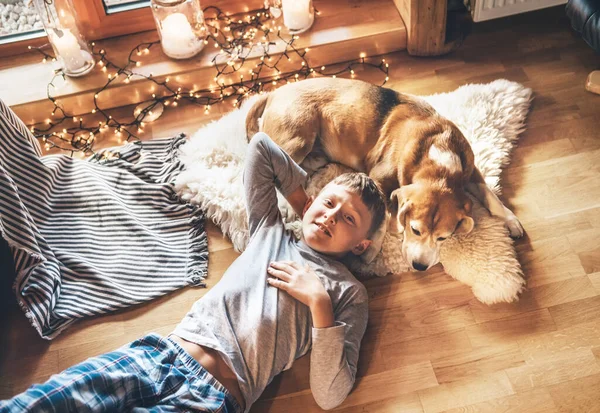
(426, 26)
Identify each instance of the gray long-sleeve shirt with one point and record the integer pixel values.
(261, 330)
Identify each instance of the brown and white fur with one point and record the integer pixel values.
(422, 161)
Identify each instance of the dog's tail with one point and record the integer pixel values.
(254, 114)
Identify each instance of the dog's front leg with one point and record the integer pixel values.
(480, 190)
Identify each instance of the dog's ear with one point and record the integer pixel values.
(400, 205)
(465, 225)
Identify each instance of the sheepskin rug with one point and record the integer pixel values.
(491, 116)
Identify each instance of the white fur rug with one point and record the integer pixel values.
(491, 116)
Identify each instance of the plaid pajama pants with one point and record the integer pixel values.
(152, 374)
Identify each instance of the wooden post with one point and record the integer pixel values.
(426, 22)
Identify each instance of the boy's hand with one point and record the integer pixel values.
(302, 283)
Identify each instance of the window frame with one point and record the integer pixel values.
(20, 46)
(95, 23)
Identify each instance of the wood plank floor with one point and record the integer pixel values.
(430, 347)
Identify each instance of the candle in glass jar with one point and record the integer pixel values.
(296, 14)
(68, 48)
(177, 37)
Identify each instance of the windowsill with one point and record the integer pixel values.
(20, 37)
(340, 33)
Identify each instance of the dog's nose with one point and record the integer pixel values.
(418, 266)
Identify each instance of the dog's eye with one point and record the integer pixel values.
(441, 239)
(415, 231)
(328, 202)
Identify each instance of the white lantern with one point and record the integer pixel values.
(180, 25)
(298, 15)
(70, 47)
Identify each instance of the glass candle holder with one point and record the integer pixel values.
(70, 47)
(180, 25)
(298, 15)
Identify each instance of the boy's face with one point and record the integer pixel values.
(336, 222)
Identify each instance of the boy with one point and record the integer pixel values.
(279, 297)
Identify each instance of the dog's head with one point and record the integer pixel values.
(429, 214)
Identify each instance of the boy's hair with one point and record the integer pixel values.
(370, 194)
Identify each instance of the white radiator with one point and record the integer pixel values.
(492, 9)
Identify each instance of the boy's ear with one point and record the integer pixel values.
(465, 225)
(307, 205)
(361, 247)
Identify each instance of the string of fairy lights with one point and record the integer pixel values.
(253, 56)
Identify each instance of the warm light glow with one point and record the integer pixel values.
(237, 88)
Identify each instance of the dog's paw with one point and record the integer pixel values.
(514, 226)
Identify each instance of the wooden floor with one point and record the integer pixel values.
(429, 346)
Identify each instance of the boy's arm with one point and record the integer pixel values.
(268, 167)
(297, 200)
(334, 356)
(335, 340)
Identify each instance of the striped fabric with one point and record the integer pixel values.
(89, 237)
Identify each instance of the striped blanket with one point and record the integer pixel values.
(91, 236)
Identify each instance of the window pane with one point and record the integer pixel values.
(115, 6)
(18, 19)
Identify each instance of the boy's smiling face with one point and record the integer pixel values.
(336, 222)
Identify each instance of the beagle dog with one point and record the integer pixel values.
(422, 161)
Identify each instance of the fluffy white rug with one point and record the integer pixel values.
(491, 116)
